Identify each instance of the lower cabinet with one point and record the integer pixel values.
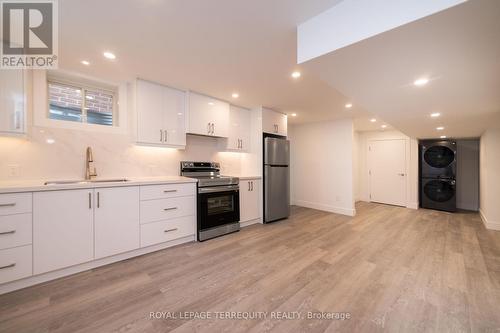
(63, 229)
(249, 199)
(164, 231)
(15, 263)
(116, 220)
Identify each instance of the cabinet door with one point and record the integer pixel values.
(249, 200)
(174, 106)
(150, 112)
(12, 101)
(200, 114)
(63, 229)
(208, 116)
(239, 129)
(274, 122)
(116, 220)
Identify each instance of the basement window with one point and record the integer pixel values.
(81, 103)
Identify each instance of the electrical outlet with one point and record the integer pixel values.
(13, 170)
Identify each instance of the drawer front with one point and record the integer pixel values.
(164, 209)
(15, 230)
(164, 231)
(15, 263)
(16, 203)
(167, 191)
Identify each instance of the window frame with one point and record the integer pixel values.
(84, 87)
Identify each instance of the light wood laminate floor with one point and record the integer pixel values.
(392, 269)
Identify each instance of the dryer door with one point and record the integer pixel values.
(438, 160)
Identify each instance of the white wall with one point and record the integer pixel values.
(411, 164)
(490, 178)
(468, 174)
(59, 153)
(322, 166)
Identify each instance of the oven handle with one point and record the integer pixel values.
(218, 189)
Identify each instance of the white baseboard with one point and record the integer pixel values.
(412, 205)
(491, 225)
(248, 223)
(328, 208)
(36, 279)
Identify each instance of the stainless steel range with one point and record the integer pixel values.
(218, 199)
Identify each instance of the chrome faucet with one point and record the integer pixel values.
(90, 159)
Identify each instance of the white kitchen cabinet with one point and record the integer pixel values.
(12, 102)
(274, 122)
(239, 129)
(161, 115)
(208, 116)
(63, 229)
(249, 199)
(116, 220)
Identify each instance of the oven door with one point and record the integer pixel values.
(217, 206)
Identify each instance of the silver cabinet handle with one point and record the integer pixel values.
(165, 136)
(161, 136)
(401, 174)
(98, 200)
(213, 128)
(8, 232)
(171, 208)
(248, 186)
(241, 145)
(170, 230)
(90, 201)
(169, 191)
(8, 266)
(208, 128)
(252, 186)
(8, 205)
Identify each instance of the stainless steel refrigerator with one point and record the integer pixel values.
(276, 179)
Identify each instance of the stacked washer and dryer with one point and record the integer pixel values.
(438, 170)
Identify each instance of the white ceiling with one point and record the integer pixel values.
(215, 47)
(458, 49)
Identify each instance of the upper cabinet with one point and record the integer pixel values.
(274, 122)
(161, 115)
(239, 129)
(208, 116)
(12, 102)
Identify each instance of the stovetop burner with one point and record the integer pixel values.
(207, 173)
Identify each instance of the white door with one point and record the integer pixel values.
(249, 200)
(174, 106)
(12, 101)
(274, 122)
(116, 220)
(387, 165)
(201, 110)
(150, 112)
(239, 129)
(63, 229)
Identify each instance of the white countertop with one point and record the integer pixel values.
(243, 177)
(38, 185)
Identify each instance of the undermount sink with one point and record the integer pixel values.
(71, 182)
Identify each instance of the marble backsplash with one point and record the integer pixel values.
(57, 154)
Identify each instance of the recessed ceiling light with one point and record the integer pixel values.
(211, 103)
(293, 115)
(235, 95)
(373, 120)
(50, 141)
(348, 105)
(440, 128)
(384, 126)
(435, 114)
(421, 82)
(443, 136)
(296, 75)
(109, 55)
(85, 62)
